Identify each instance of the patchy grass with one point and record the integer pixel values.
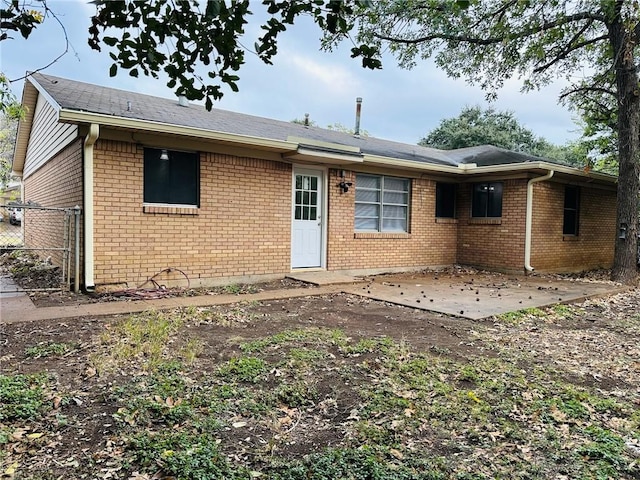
(22, 397)
(186, 397)
(48, 349)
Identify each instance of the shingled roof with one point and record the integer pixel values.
(84, 97)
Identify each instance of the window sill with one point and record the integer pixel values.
(446, 220)
(381, 235)
(167, 210)
(485, 221)
(570, 238)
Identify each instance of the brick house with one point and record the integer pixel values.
(227, 197)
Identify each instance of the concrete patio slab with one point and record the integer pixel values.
(9, 288)
(322, 277)
(478, 296)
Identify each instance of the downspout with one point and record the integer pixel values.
(89, 141)
(529, 220)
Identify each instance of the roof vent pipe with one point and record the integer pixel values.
(356, 131)
(306, 119)
(182, 101)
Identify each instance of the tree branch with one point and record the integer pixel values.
(66, 46)
(569, 48)
(587, 90)
(493, 40)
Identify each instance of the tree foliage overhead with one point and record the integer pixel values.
(205, 50)
(475, 126)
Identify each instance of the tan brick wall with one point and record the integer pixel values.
(242, 227)
(428, 243)
(487, 244)
(593, 246)
(501, 246)
(58, 183)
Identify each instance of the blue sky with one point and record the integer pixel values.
(401, 105)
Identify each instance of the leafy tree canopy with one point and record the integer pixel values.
(8, 131)
(475, 126)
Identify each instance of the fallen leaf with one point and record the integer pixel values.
(11, 470)
(34, 436)
(396, 453)
(238, 424)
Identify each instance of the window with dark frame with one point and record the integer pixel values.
(571, 210)
(446, 200)
(171, 177)
(487, 200)
(382, 204)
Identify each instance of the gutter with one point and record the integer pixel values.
(89, 142)
(529, 219)
(79, 117)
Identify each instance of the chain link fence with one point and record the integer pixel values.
(38, 245)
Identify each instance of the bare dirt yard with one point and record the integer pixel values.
(325, 387)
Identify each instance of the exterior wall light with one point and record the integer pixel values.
(164, 155)
(344, 185)
(623, 232)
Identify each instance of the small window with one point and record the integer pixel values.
(382, 204)
(171, 177)
(445, 200)
(487, 200)
(571, 210)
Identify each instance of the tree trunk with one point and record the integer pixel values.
(625, 258)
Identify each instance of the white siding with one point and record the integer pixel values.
(48, 136)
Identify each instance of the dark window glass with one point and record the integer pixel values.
(487, 200)
(571, 210)
(445, 200)
(174, 181)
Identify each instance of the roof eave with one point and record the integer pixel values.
(32, 89)
(473, 169)
(80, 117)
(533, 166)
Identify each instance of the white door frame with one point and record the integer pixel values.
(324, 212)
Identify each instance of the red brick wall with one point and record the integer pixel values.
(428, 242)
(242, 227)
(58, 183)
(593, 246)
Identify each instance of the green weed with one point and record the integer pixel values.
(368, 345)
(565, 311)
(515, 318)
(358, 464)
(315, 335)
(243, 369)
(297, 394)
(468, 373)
(22, 396)
(605, 450)
(47, 349)
(184, 456)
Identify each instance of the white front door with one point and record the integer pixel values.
(306, 230)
